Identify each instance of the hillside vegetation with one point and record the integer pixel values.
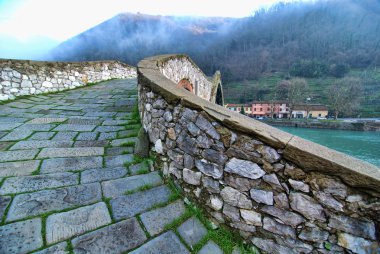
(322, 41)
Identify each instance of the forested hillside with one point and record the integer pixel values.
(323, 41)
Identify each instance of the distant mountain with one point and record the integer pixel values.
(132, 37)
(325, 34)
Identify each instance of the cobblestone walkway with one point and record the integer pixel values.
(64, 187)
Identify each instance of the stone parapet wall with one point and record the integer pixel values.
(20, 77)
(181, 67)
(283, 193)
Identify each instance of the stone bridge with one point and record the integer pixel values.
(69, 182)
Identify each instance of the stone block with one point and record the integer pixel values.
(116, 238)
(192, 231)
(36, 203)
(70, 163)
(118, 160)
(75, 127)
(21, 237)
(156, 220)
(18, 155)
(192, 177)
(262, 196)
(244, 168)
(38, 182)
(18, 168)
(62, 226)
(36, 144)
(70, 152)
(211, 247)
(102, 174)
(235, 198)
(130, 205)
(118, 187)
(165, 243)
(307, 206)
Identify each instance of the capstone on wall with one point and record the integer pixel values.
(20, 77)
(249, 185)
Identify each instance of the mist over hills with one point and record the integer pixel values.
(326, 31)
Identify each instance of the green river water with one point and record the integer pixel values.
(362, 145)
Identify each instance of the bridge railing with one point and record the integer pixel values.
(280, 191)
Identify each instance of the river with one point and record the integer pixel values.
(359, 144)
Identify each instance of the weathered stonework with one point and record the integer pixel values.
(18, 77)
(254, 178)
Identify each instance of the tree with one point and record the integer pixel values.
(294, 91)
(344, 96)
(242, 111)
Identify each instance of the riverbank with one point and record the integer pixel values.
(365, 125)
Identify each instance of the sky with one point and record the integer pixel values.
(29, 27)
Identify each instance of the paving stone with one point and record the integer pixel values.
(102, 174)
(38, 182)
(70, 152)
(13, 119)
(17, 135)
(21, 237)
(117, 238)
(130, 205)
(36, 127)
(71, 163)
(42, 135)
(36, 203)
(61, 226)
(84, 121)
(137, 168)
(192, 231)
(4, 202)
(75, 127)
(46, 120)
(112, 151)
(210, 247)
(107, 135)
(121, 142)
(156, 220)
(87, 136)
(59, 248)
(118, 187)
(167, 243)
(118, 160)
(67, 135)
(91, 143)
(101, 114)
(35, 144)
(18, 155)
(115, 122)
(8, 126)
(109, 128)
(18, 168)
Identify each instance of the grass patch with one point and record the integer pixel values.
(133, 127)
(70, 247)
(141, 188)
(135, 160)
(128, 144)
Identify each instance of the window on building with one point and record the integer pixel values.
(261, 109)
(319, 115)
(254, 109)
